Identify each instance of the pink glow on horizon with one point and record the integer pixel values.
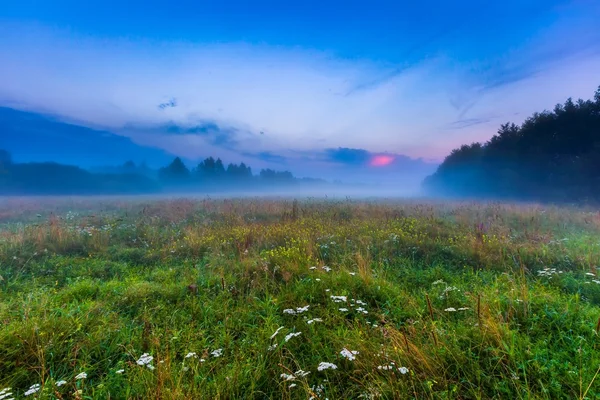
(381, 160)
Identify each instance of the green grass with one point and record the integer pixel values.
(91, 285)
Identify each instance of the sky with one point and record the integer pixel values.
(320, 88)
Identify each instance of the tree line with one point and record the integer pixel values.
(552, 156)
(129, 178)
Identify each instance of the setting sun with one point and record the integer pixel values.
(381, 160)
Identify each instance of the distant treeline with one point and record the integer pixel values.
(210, 175)
(553, 156)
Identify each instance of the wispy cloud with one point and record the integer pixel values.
(240, 100)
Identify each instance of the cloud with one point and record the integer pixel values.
(267, 102)
(348, 156)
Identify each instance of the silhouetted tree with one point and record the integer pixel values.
(176, 172)
(552, 155)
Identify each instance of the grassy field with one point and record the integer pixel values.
(260, 298)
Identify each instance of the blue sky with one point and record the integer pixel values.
(292, 82)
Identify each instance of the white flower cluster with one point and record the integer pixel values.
(326, 365)
(349, 354)
(145, 359)
(298, 310)
(292, 377)
(547, 272)
(291, 335)
(339, 299)
(33, 389)
(217, 353)
(5, 394)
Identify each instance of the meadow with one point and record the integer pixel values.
(310, 299)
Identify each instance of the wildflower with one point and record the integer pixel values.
(339, 299)
(450, 309)
(288, 377)
(325, 365)
(276, 332)
(272, 347)
(300, 373)
(144, 359)
(343, 309)
(361, 303)
(190, 355)
(318, 279)
(326, 268)
(81, 375)
(312, 268)
(362, 310)
(349, 354)
(589, 274)
(292, 385)
(33, 389)
(119, 371)
(403, 370)
(311, 321)
(463, 308)
(298, 310)
(438, 282)
(60, 383)
(150, 367)
(5, 394)
(352, 273)
(186, 369)
(217, 353)
(291, 335)
(384, 367)
(328, 290)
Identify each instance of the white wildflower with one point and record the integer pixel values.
(60, 383)
(276, 332)
(328, 290)
(403, 370)
(272, 347)
(339, 299)
(301, 373)
(325, 365)
(5, 394)
(311, 321)
(150, 367)
(352, 273)
(318, 279)
(144, 359)
(362, 310)
(361, 303)
(291, 335)
(217, 353)
(589, 274)
(119, 371)
(463, 308)
(450, 309)
(191, 354)
(349, 354)
(438, 282)
(326, 268)
(312, 268)
(343, 309)
(298, 310)
(292, 385)
(33, 389)
(288, 377)
(81, 375)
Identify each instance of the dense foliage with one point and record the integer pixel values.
(266, 299)
(552, 156)
(53, 178)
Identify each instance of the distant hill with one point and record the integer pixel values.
(32, 137)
